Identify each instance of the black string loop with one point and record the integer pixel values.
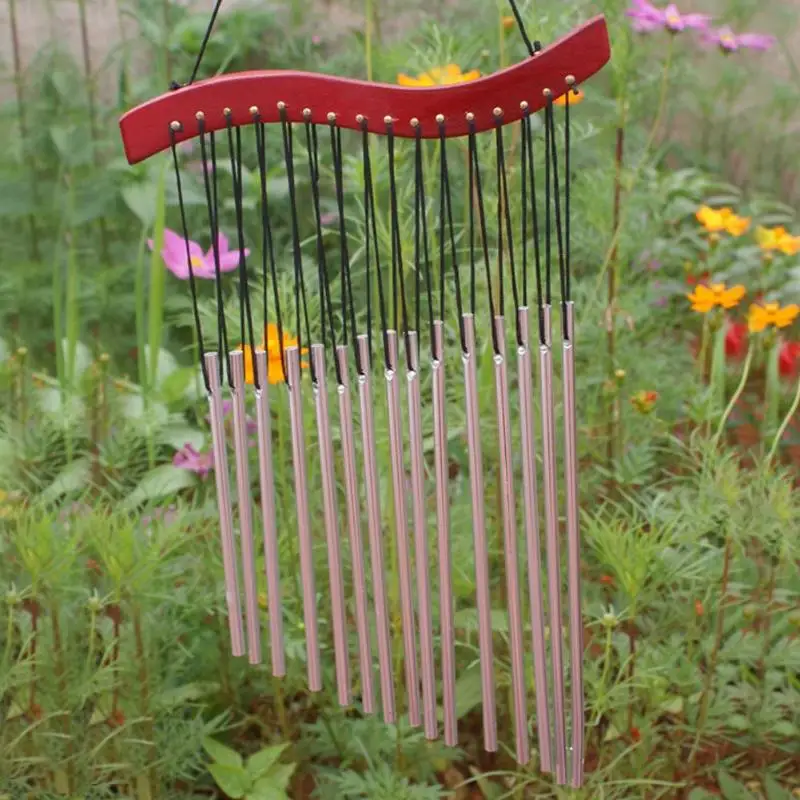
(534, 203)
(533, 47)
(446, 222)
(422, 259)
(192, 280)
(562, 272)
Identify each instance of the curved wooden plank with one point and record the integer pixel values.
(582, 53)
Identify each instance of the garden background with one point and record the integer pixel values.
(116, 679)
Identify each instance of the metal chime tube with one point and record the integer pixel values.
(245, 508)
(553, 551)
(375, 533)
(533, 545)
(222, 478)
(513, 596)
(442, 473)
(267, 487)
(401, 532)
(292, 355)
(479, 536)
(573, 548)
(421, 540)
(354, 532)
(331, 521)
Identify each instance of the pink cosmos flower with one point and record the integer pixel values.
(647, 17)
(174, 255)
(730, 42)
(188, 458)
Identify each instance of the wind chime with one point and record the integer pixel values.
(223, 108)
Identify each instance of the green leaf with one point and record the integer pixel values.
(176, 436)
(468, 693)
(73, 477)
(234, 781)
(158, 483)
(222, 754)
(774, 790)
(141, 200)
(279, 776)
(672, 705)
(263, 790)
(701, 794)
(612, 733)
(191, 692)
(260, 763)
(173, 387)
(732, 789)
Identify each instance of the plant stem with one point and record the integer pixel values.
(61, 683)
(369, 18)
(761, 667)
(785, 424)
(714, 656)
(144, 697)
(16, 55)
(736, 395)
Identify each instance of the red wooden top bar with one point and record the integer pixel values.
(582, 53)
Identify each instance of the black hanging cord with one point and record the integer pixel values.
(567, 182)
(398, 277)
(192, 281)
(268, 254)
(212, 203)
(300, 303)
(348, 306)
(421, 255)
(535, 221)
(504, 217)
(446, 213)
(372, 229)
(562, 272)
(533, 47)
(245, 310)
(326, 304)
(524, 191)
(548, 257)
(478, 191)
(203, 45)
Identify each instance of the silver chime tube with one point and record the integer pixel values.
(240, 445)
(292, 355)
(372, 487)
(267, 487)
(479, 536)
(401, 532)
(222, 479)
(331, 521)
(353, 512)
(553, 553)
(442, 474)
(513, 596)
(533, 545)
(573, 548)
(421, 552)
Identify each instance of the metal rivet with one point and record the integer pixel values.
(281, 105)
(331, 116)
(440, 118)
(498, 112)
(254, 110)
(360, 119)
(307, 113)
(524, 105)
(414, 122)
(570, 80)
(226, 112)
(199, 116)
(547, 93)
(387, 120)
(470, 116)
(175, 125)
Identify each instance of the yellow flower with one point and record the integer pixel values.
(508, 23)
(272, 345)
(771, 314)
(722, 219)
(778, 239)
(704, 298)
(439, 76)
(575, 97)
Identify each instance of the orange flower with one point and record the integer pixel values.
(722, 219)
(771, 315)
(575, 96)
(272, 345)
(508, 23)
(779, 239)
(439, 76)
(704, 298)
